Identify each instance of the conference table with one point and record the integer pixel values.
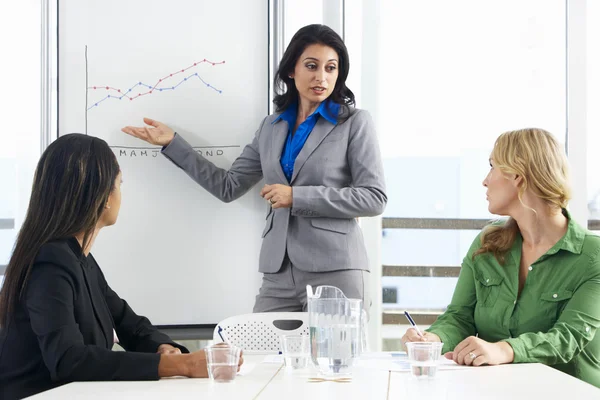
(375, 377)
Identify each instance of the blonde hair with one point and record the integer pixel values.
(537, 157)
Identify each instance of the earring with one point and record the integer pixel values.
(291, 77)
(107, 206)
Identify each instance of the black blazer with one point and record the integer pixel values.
(62, 329)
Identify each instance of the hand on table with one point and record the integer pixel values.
(476, 352)
(168, 349)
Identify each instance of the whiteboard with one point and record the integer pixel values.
(178, 255)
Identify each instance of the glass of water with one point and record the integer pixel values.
(295, 350)
(222, 362)
(423, 358)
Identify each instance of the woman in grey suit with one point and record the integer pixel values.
(322, 168)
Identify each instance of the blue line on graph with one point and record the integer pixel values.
(151, 89)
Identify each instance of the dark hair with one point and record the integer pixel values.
(72, 183)
(285, 88)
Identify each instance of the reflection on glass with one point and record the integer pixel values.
(420, 293)
(455, 75)
(593, 104)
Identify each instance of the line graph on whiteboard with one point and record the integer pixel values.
(101, 92)
(163, 84)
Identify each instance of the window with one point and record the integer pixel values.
(299, 13)
(20, 135)
(454, 75)
(593, 119)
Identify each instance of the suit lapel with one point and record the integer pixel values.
(280, 133)
(319, 132)
(99, 305)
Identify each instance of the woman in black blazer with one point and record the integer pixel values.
(59, 318)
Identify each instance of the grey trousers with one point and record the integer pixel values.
(285, 290)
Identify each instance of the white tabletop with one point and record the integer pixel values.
(370, 380)
(253, 377)
(510, 381)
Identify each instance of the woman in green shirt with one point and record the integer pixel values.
(529, 287)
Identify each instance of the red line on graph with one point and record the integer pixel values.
(96, 87)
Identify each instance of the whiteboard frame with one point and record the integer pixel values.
(49, 107)
(49, 73)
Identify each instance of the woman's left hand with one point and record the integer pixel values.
(168, 349)
(280, 196)
(476, 352)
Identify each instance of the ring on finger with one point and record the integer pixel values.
(271, 201)
(472, 355)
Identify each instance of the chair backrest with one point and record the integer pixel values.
(260, 332)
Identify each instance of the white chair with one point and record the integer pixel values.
(259, 333)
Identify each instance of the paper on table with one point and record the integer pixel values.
(398, 362)
(443, 364)
(380, 359)
(246, 368)
(383, 355)
(273, 359)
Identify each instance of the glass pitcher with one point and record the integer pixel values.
(335, 323)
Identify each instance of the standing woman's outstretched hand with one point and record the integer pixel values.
(155, 133)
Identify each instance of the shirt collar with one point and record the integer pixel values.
(76, 248)
(289, 115)
(572, 241)
(327, 109)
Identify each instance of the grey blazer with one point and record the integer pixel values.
(338, 176)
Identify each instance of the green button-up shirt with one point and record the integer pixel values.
(554, 320)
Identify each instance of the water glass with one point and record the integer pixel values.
(423, 358)
(295, 350)
(222, 362)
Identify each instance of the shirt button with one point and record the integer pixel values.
(487, 280)
(515, 302)
(587, 328)
(530, 267)
(554, 295)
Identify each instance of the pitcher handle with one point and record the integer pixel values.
(364, 332)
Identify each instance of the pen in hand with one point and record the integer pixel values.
(412, 322)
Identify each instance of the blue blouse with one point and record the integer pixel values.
(295, 141)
